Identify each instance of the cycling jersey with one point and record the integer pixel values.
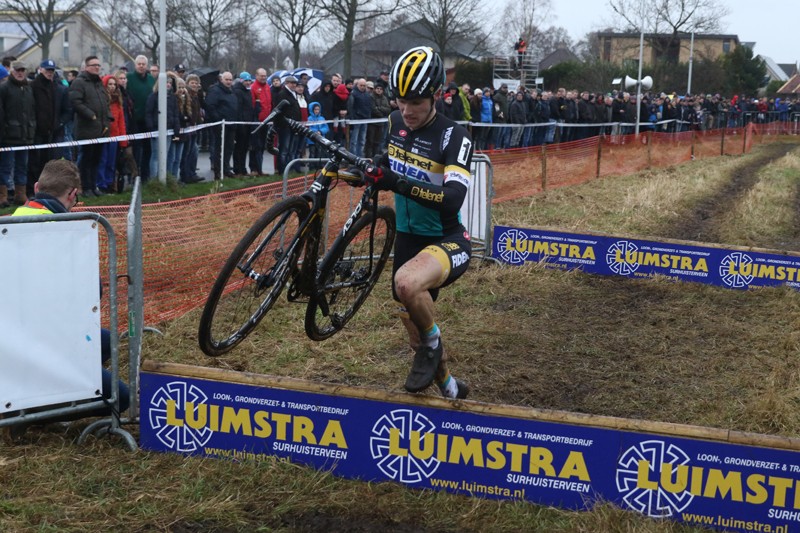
(438, 154)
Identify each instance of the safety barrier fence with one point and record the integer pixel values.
(50, 353)
(521, 172)
(185, 242)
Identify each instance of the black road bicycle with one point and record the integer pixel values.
(283, 247)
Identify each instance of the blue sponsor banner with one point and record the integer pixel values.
(622, 256)
(718, 485)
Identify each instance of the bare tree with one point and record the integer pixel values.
(666, 19)
(447, 22)
(295, 19)
(39, 20)
(524, 18)
(548, 40)
(348, 13)
(135, 23)
(208, 26)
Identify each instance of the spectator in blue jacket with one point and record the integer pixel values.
(316, 122)
(359, 107)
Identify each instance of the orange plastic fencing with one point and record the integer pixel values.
(186, 242)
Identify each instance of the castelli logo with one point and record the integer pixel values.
(403, 133)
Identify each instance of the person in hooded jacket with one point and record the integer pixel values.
(316, 122)
(325, 98)
(342, 94)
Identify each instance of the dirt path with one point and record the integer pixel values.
(702, 222)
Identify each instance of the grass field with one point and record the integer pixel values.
(648, 349)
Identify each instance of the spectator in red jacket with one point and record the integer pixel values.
(340, 111)
(262, 105)
(106, 171)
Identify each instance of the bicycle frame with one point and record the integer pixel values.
(282, 250)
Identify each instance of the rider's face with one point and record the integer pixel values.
(415, 112)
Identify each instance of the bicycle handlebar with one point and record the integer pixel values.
(337, 152)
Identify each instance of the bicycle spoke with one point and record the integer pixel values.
(253, 277)
(349, 273)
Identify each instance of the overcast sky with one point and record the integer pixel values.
(772, 25)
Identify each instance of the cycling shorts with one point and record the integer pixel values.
(452, 251)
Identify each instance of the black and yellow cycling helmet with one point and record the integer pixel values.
(419, 73)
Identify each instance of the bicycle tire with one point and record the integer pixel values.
(346, 275)
(239, 300)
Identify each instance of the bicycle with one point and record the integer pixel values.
(283, 246)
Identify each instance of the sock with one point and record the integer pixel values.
(449, 387)
(430, 337)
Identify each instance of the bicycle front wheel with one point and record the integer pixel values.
(253, 277)
(349, 272)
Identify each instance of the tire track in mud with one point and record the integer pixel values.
(702, 222)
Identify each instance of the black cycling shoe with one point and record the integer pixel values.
(426, 361)
(463, 390)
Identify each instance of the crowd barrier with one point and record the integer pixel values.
(51, 353)
(184, 243)
(522, 172)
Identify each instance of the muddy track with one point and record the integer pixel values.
(701, 223)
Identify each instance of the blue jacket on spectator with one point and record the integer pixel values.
(487, 109)
(316, 122)
(360, 105)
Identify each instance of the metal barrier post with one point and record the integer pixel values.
(135, 295)
(479, 216)
(544, 167)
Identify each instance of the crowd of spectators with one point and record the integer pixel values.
(529, 117)
(42, 107)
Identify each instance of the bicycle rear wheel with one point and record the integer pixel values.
(253, 276)
(348, 273)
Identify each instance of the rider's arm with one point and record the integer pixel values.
(447, 198)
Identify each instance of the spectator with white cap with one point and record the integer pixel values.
(287, 141)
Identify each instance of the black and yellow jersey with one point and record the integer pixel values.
(435, 160)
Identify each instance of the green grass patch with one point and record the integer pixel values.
(649, 349)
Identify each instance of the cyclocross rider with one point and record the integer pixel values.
(428, 167)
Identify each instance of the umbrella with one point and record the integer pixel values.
(314, 77)
(278, 74)
(208, 76)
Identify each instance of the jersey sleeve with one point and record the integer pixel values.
(457, 156)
